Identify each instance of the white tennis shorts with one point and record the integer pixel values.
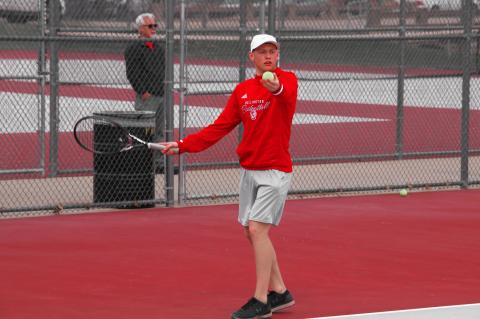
(262, 195)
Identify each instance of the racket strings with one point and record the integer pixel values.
(100, 136)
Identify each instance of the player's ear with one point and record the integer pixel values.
(250, 56)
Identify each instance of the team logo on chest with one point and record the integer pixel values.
(254, 106)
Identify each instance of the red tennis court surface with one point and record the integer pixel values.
(339, 255)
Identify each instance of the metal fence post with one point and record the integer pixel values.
(467, 68)
(243, 52)
(52, 14)
(401, 84)
(42, 81)
(261, 17)
(169, 111)
(182, 112)
(271, 17)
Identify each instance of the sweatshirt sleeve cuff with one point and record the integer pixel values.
(181, 148)
(279, 91)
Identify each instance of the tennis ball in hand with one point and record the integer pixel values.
(268, 75)
(403, 192)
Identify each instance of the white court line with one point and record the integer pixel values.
(468, 311)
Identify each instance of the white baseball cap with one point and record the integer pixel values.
(261, 39)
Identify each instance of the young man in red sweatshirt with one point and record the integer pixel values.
(266, 109)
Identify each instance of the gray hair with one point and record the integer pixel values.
(140, 18)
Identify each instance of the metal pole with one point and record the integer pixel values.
(261, 16)
(243, 41)
(243, 52)
(283, 13)
(53, 14)
(467, 67)
(42, 73)
(271, 21)
(401, 84)
(182, 108)
(271, 17)
(169, 112)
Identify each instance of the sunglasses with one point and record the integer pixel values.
(151, 26)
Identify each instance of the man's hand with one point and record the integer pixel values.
(171, 148)
(146, 96)
(271, 85)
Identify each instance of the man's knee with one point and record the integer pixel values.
(257, 229)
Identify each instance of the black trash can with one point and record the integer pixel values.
(130, 175)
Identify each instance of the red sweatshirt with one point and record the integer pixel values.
(267, 119)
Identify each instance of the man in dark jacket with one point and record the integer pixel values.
(145, 62)
(145, 68)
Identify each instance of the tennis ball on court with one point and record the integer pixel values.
(268, 75)
(403, 192)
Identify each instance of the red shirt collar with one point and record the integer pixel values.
(150, 45)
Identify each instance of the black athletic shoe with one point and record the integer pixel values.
(280, 301)
(253, 309)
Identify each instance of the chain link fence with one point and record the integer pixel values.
(387, 97)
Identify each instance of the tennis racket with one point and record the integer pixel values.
(100, 135)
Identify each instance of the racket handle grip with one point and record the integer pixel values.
(156, 146)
